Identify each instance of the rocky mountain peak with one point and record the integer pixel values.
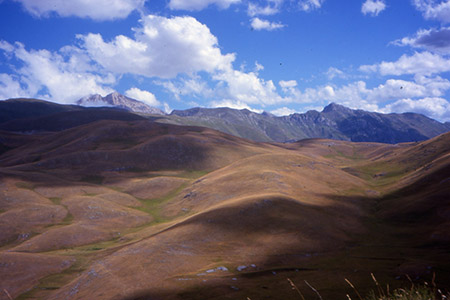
(334, 107)
(118, 100)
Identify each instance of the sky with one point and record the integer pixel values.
(279, 56)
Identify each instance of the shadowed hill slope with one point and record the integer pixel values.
(20, 108)
(135, 145)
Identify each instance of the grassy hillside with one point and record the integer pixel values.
(141, 210)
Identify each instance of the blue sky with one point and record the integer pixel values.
(281, 56)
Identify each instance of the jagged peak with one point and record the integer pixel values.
(269, 114)
(335, 107)
(115, 99)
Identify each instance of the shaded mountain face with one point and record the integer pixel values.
(119, 101)
(20, 108)
(31, 115)
(334, 122)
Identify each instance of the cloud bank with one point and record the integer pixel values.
(100, 10)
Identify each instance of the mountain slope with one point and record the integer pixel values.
(334, 122)
(119, 101)
(13, 109)
(67, 119)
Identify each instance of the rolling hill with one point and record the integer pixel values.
(135, 209)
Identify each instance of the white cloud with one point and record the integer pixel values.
(258, 67)
(287, 83)
(283, 111)
(392, 89)
(167, 108)
(144, 96)
(234, 104)
(11, 88)
(248, 88)
(436, 40)
(436, 108)
(308, 5)
(62, 76)
(397, 89)
(162, 47)
(334, 72)
(192, 5)
(259, 24)
(434, 10)
(272, 7)
(358, 95)
(183, 86)
(97, 10)
(373, 7)
(423, 63)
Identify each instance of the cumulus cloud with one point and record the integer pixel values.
(259, 24)
(435, 40)
(436, 108)
(392, 89)
(373, 7)
(396, 89)
(193, 5)
(283, 111)
(434, 10)
(184, 86)
(247, 88)
(10, 87)
(424, 63)
(235, 86)
(62, 76)
(97, 10)
(308, 5)
(144, 96)
(359, 95)
(162, 47)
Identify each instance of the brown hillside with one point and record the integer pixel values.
(139, 210)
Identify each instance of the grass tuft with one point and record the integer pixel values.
(415, 292)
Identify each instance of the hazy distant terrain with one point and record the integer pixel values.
(121, 207)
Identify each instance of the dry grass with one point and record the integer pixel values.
(279, 207)
(414, 292)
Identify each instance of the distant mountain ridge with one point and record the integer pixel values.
(119, 101)
(334, 122)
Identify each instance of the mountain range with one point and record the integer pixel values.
(334, 122)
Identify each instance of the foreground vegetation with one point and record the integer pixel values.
(414, 292)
